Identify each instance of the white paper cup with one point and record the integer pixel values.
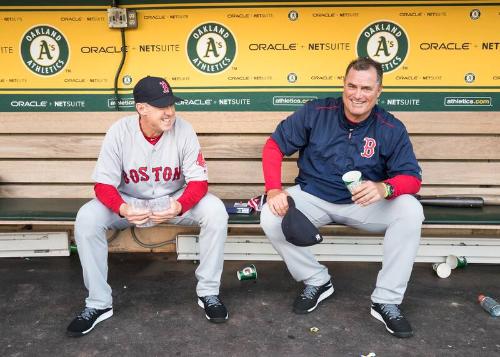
(159, 204)
(352, 179)
(442, 270)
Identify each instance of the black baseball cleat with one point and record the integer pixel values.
(215, 311)
(390, 315)
(311, 296)
(86, 321)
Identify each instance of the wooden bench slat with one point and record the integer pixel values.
(236, 147)
(240, 122)
(491, 194)
(71, 146)
(451, 122)
(435, 173)
(88, 146)
(71, 171)
(456, 147)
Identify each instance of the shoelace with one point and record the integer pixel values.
(87, 313)
(392, 311)
(310, 291)
(212, 300)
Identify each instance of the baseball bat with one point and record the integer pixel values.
(451, 201)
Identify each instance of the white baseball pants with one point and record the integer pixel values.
(401, 220)
(94, 219)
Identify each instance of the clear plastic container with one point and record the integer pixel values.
(141, 206)
(159, 204)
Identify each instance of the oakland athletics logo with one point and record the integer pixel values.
(211, 48)
(385, 42)
(44, 50)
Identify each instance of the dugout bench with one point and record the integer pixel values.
(46, 161)
(480, 225)
(29, 211)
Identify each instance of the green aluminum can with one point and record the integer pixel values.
(247, 273)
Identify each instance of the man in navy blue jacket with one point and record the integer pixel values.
(334, 136)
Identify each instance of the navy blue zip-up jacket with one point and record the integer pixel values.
(329, 146)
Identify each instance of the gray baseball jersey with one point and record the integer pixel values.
(138, 169)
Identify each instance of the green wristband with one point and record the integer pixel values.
(389, 190)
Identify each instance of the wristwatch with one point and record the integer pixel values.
(389, 190)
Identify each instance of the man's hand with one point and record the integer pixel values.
(133, 216)
(163, 216)
(368, 192)
(277, 202)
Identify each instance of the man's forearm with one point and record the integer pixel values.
(272, 157)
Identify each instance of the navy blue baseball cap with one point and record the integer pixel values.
(155, 91)
(298, 229)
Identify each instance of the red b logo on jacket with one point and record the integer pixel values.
(369, 148)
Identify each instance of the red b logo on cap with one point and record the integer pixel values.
(165, 87)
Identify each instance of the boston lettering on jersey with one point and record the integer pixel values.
(157, 173)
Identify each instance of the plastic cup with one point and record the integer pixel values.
(352, 179)
(442, 270)
(159, 204)
(456, 262)
(141, 206)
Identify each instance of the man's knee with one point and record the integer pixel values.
(268, 221)
(213, 211)
(410, 209)
(88, 219)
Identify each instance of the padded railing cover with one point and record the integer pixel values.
(65, 209)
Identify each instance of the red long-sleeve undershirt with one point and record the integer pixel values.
(111, 198)
(194, 192)
(272, 157)
(404, 184)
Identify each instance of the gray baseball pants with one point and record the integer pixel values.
(401, 220)
(94, 219)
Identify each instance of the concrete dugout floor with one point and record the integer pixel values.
(155, 311)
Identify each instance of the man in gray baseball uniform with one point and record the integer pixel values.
(334, 136)
(146, 156)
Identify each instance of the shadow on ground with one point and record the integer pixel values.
(156, 312)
